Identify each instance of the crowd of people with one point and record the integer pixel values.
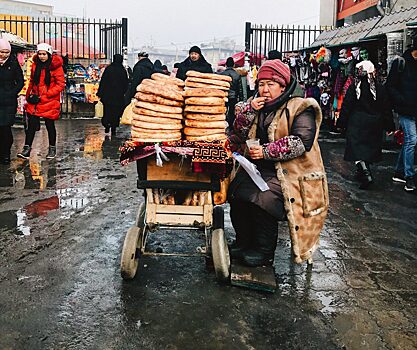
(280, 116)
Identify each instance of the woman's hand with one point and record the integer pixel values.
(258, 103)
(256, 152)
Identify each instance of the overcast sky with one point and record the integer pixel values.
(187, 22)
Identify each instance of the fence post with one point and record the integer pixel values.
(248, 32)
(124, 41)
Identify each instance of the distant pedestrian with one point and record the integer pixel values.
(143, 69)
(274, 55)
(157, 67)
(11, 82)
(365, 114)
(195, 61)
(233, 91)
(43, 97)
(112, 88)
(402, 86)
(165, 70)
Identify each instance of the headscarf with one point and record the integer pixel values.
(365, 69)
(5, 45)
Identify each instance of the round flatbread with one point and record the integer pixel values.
(209, 81)
(205, 101)
(192, 84)
(139, 135)
(158, 108)
(155, 126)
(160, 90)
(204, 92)
(220, 124)
(157, 99)
(148, 119)
(206, 109)
(205, 117)
(213, 137)
(167, 79)
(193, 73)
(144, 111)
(202, 131)
(162, 84)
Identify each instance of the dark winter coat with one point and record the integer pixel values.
(235, 84)
(50, 96)
(11, 82)
(402, 85)
(201, 65)
(143, 69)
(114, 83)
(365, 120)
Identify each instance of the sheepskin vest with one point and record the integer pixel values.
(303, 181)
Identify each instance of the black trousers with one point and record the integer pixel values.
(230, 104)
(33, 125)
(250, 221)
(6, 141)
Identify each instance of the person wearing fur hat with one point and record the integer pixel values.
(195, 61)
(289, 161)
(366, 112)
(11, 82)
(43, 95)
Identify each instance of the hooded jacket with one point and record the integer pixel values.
(143, 69)
(49, 105)
(402, 85)
(201, 65)
(11, 82)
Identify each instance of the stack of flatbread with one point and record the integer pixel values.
(205, 110)
(158, 109)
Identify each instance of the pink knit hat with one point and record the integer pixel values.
(275, 70)
(5, 45)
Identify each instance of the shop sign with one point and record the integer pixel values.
(350, 7)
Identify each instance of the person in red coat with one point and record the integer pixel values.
(43, 95)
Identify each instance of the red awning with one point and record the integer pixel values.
(239, 59)
(74, 48)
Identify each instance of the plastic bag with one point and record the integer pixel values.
(128, 114)
(99, 110)
(254, 173)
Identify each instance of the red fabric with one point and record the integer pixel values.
(50, 104)
(275, 70)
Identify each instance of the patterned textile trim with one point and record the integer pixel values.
(286, 148)
(210, 153)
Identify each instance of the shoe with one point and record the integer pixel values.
(236, 251)
(51, 153)
(254, 258)
(107, 129)
(398, 177)
(410, 184)
(25, 154)
(366, 175)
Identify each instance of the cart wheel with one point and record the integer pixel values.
(129, 261)
(220, 252)
(218, 217)
(140, 216)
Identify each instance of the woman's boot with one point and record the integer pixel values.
(366, 177)
(25, 154)
(264, 250)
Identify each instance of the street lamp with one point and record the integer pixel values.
(176, 51)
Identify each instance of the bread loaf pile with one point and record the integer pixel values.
(158, 109)
(205, 110)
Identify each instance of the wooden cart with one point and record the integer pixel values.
(151, 217)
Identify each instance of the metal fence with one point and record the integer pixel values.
(284, 38)
(82, 41)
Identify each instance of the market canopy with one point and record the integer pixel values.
(367, 30)
(239, 59)
(74, 48)
(14, 40)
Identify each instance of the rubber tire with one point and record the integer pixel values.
(129, 261)
(140, 216)
(220, 253)
(218, 217)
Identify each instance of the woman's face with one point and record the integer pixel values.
(43, 56)
(194, 56)
(4, 54)
(270, 89)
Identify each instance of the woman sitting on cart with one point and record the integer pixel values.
(289, 161)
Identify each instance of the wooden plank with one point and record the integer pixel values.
(178, 220)
(151, 213)
(175, 170)
(259, 278)
(208, 214)
(149, 195)
(179, 209)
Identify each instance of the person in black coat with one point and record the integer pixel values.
(195, 61)
(11, 82)
(113, 85)
(233, 91)
(365, 114)
(143, 69)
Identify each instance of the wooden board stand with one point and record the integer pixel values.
(259, 278)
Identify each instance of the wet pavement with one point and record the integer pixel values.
(62, 225)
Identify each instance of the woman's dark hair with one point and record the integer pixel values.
(41, 65)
